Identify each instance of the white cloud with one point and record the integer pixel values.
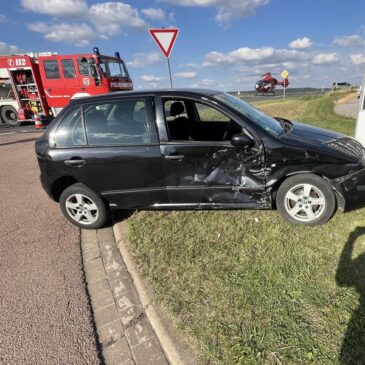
(144, 59)
(189, 64)
(78, 34)
(8, 49)
(107, 18)
(153, 85)
(205, 83)
(349, 41)
(325, 58)
(357, 59)
(150, 78)
(227, 10)
(290, 65)
(300, 43)
(186, 75)
(111, 17)
(154, 13)
(56, 7)
(246, 54)
(3, 18)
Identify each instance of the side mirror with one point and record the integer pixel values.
(241, 140)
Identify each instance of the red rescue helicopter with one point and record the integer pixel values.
(268, 83)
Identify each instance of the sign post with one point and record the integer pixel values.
(165, 39)
(169, 67)
(284, 75)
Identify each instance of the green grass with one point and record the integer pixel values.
(245, 287)
(317, 110)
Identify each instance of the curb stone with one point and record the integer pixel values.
(124, 330)
(173, 355)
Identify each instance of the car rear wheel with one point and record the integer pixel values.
(82, 207)
(306, 199)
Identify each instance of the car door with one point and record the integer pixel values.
(112, 147)
(201, 166)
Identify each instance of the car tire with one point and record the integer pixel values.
(83, 207)
(306, 199)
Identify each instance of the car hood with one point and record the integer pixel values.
(310, 133)
(319, 137)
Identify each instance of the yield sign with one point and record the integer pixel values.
(165, 38)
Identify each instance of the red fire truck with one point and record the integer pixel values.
(43, 83)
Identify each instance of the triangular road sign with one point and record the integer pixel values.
(165, 38)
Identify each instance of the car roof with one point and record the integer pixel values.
(151, 92)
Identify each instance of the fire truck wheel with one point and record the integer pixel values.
(9, 115)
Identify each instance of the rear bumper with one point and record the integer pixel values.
(46, 185)
(350, 190)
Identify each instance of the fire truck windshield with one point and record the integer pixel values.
(112, 68)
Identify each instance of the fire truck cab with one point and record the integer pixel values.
(42, 84)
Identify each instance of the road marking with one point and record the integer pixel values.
(3, 134)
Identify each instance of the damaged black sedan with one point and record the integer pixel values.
(194, 149)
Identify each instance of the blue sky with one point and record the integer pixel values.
(222, 44)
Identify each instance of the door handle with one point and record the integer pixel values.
(75, 162)
(174, 157)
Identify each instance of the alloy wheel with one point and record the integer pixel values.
(305, 202)
(81, 209)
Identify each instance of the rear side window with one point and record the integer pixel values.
(68, 69)
(122, 122)
(51, 69)
(71, 131)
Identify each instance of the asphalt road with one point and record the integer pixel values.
(45, 316)
(350, 109)
(5, 130)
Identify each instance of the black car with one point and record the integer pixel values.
(194, 149)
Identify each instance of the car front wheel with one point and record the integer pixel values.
(82, 207)
(306, 199)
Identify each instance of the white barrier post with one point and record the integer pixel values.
(360, 124)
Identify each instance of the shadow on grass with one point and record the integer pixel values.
(119, 215)
(351, 272)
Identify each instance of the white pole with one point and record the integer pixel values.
(360, 123)
(284, 88)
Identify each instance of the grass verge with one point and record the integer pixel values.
(316, 110)
(245, 287)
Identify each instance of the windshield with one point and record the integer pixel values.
(112, 68)
(269, 124)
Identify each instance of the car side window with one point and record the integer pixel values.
(51, 69)
(170, 114)
(188, 120)
(208, 114)
(122, 122)
(71, 131)
(68, 68)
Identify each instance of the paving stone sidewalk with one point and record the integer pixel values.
(124, 331)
